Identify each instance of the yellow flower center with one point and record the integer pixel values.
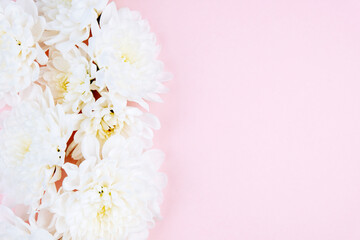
(102, 212)
(26, 143)
(62, 85)
(22, 149)
(109, 125)
(105, 196)
(126, 58)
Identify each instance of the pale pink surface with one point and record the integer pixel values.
(262, 123)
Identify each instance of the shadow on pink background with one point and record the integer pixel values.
(262, 123)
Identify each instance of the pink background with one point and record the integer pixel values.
(262, 123)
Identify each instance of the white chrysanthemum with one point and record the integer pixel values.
(68, 75)
(125, 51)
(68, 21)
(32, 147)
(115, 198)
(110, 116)
(14, 228)
(20, 31)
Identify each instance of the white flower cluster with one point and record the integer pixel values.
(76, 136)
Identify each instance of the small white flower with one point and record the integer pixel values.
(32, 147)
(14, 228)
(68, 21)
(20, 53)
(110, 116)
(125, 51)
(114, 198)
(69, 75)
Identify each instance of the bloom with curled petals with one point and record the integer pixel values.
(68, 21)
(110, 116)
(14, 228)
(125, 51)
(69, 75)
(32, 147)
(113, 198)
(20, 53)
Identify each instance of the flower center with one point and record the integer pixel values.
(62, 84)
(106, 202)
(59, 152)
(8, 41)
(106, 128)
(25, 147)
(102, 212)
(126, 50)
(126, 58)
(110, 124)
(20, 150)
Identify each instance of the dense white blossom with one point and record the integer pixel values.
(114, 198)
(69, 76)
(68, 21)
(125, 51)
(111, 116)
(20, 53)
(32, 147)
(76, 76)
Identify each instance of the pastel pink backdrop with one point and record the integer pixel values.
(262, 122)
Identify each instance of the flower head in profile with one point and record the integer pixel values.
(33, 140)
(14, 228)
(20, 53)
(110, 116)
(116, 197)
(69, 76)
(68, 21)
(125, 51)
